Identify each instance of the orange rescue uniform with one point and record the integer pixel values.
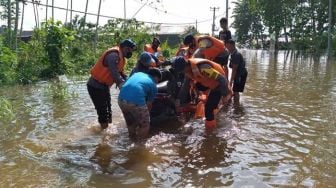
(100, 71)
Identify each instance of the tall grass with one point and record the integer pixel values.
(6, 110)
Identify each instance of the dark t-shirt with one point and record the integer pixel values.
(225, 35)
(237, 58)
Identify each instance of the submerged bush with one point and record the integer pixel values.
(6, 109)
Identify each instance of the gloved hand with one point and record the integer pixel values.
(123, 75)
(120, 85)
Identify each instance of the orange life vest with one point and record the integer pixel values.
(207, 78)
(211, 46)
(101, 73)
(148, 48)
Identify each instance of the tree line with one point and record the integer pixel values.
(57, 48)
(302, 24)
(72, 47)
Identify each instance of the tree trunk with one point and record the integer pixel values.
(66, 14)
(34, 13)
(329, 29)
(47, 4)
(285, 29)
(52, 9)
(9, 23)
(17, 9)
(22, 16)
(312, 7)
(37, 14)
(86, 7)
(71, 13)
(97, 25)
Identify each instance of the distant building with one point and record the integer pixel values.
(2, 29)
(25, 35)
(173, 34)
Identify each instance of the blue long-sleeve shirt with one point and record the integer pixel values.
(139, 89)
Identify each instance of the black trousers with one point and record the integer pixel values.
(239, 82)
(211, 104)
(101, 99)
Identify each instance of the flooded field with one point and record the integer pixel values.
(282, 134)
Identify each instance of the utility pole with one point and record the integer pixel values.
(71, 14)
(86, 8)
(124, 10)
(47, 10)
(227, 10)
(52, 10)
(97, 24)
(213, 18)
(196, 25)
(66, 14)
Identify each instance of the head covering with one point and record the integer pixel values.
(147, 59)
(128, 43)
(155, 72)
(179, 63)
(156, 40)
(188, 39)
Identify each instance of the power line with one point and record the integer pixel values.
(161, 10)
(112, 17)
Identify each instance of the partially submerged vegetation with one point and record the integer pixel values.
(6, 109)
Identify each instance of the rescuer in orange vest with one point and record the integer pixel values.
(191, 43)
(109, 69)
(209, 76)
(207, 47)
(154, 48)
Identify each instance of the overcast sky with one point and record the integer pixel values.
(164, 11)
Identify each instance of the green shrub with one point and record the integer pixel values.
(7, 63)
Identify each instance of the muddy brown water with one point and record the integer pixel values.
(283, 133)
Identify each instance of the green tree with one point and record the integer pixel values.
(8, 60)
(242, 14)
(57, 40)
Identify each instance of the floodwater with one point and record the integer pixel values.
(282, 134)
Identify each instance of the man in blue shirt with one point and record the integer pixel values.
(135, 100)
